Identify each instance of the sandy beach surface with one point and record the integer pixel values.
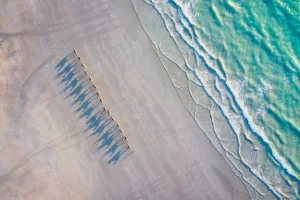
(44, 152)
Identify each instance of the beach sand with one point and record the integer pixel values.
(44, 152)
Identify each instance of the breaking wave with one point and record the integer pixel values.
(225, 73)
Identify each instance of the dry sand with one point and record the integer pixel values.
(45, 154)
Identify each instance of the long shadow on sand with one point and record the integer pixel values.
(87, 105)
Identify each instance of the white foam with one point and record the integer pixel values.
(260, 130)
(227, 91)
(283, 162)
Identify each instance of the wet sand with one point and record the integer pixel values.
(44, 152)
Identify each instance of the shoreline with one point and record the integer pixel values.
(261, 184)
(168, 162)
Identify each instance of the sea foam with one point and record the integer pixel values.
(245, 145)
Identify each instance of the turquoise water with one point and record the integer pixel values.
(236, 67)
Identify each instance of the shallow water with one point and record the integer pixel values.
(235, 65)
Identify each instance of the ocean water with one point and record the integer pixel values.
(236, 67)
